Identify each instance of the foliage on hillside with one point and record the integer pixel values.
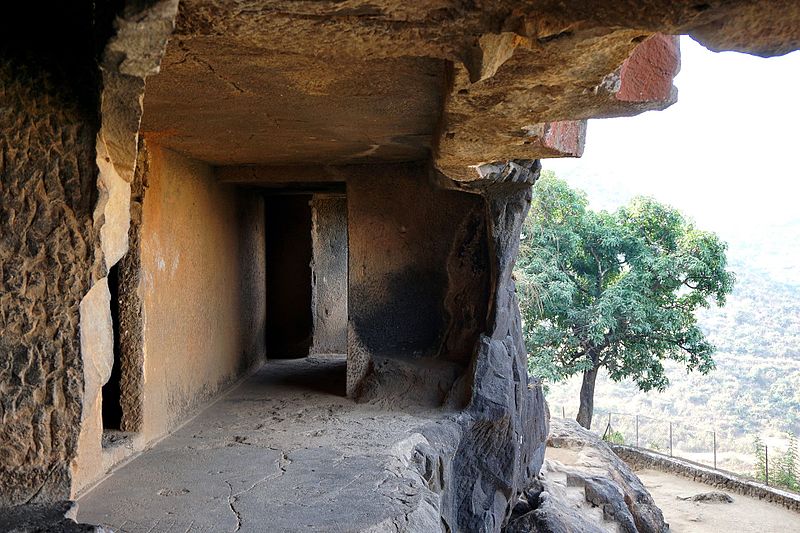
(615, 290)
(755, 388)
(762, 317)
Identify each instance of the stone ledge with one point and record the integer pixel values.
(638, 459)
(56, 517)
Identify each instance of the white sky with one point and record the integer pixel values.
(726, 154)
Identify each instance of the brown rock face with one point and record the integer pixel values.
(442, 93)
(329, 273)
(48, 121)
(59, 231)
(288, 82)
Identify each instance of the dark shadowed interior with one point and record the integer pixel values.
(288, 267)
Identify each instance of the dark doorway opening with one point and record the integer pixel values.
(112, 392)
(288, 269)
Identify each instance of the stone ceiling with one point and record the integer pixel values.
(332, 82)
(232, 105)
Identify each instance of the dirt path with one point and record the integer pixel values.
(744, 515)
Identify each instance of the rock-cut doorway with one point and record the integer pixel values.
(306, 270)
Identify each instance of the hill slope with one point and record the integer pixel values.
(755, 388)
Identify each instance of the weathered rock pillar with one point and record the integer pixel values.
(130, 56)
(329, 273)
(505, 423)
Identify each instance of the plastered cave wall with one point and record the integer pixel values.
(202, 283)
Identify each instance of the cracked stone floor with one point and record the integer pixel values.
(283, 451)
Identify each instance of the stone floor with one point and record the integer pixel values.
(283, 451)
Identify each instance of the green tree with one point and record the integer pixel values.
(761, 459)
(786, 466)
(616, 290)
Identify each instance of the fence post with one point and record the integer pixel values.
(637, 431)
(714, 436)
(670, 438)
(563, 412)
(766, 464)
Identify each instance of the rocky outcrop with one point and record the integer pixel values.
(489, 81)
(494, 445)
(504, 413)
(586, 487)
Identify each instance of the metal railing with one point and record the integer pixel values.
(678, 439)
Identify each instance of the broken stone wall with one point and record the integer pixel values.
(402, 234)
(329, 273)
(49, 98)
(201, 283)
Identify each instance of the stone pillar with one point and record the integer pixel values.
(504, 427)
(329, 273)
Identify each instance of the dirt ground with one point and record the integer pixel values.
(744, 515)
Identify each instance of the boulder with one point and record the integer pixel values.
(588, 489)
(709, 497)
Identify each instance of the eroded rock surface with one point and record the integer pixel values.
(584, 486)
(472, 82)
(48, 123)
(505, 413)
(475, 90)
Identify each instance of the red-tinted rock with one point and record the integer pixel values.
(646, 76)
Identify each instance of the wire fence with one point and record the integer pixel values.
(774, 464)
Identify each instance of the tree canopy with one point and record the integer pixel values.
(616, 290)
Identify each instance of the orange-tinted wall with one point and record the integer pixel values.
(202, 286)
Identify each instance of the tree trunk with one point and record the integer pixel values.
(586, 409)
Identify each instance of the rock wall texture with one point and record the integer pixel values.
(486, 453)
(49, 95)
(329, 273)
(402, 231)
(131, 52)
(482, 81)
(201, 285)
(131, 309)
(65, 207)
(506, 411)
(593, 491)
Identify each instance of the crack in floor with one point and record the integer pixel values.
(231, 501)
(284, 462)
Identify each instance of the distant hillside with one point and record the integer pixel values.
(761, 318)
(756, 386)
